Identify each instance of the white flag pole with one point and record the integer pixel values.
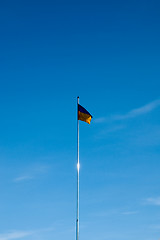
(78, 166)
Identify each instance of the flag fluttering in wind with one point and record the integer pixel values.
(83, 114)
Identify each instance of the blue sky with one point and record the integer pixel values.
(108, 53)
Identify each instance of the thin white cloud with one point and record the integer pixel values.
(155, 226)
(109, 130)
(129, 213)
(153, 201)
(132, 113)
(99, 120)
(139, 111)
(23, 178)
(32, 173)
(15, 235)
(22, 234)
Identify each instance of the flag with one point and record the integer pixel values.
(83, 114)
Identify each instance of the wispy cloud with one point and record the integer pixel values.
(109, 130)
(15, 235)
(139, 111)
(114, 212)
(153, 201)
(22, 234)
(99, 120)
(129, 213)
(23, 178)
(155, 226)
(32, 173)
(132, 113)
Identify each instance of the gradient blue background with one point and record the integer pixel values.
(108, 53)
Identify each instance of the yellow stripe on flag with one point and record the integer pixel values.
(84, 117)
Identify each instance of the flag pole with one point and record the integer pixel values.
(77, 220)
